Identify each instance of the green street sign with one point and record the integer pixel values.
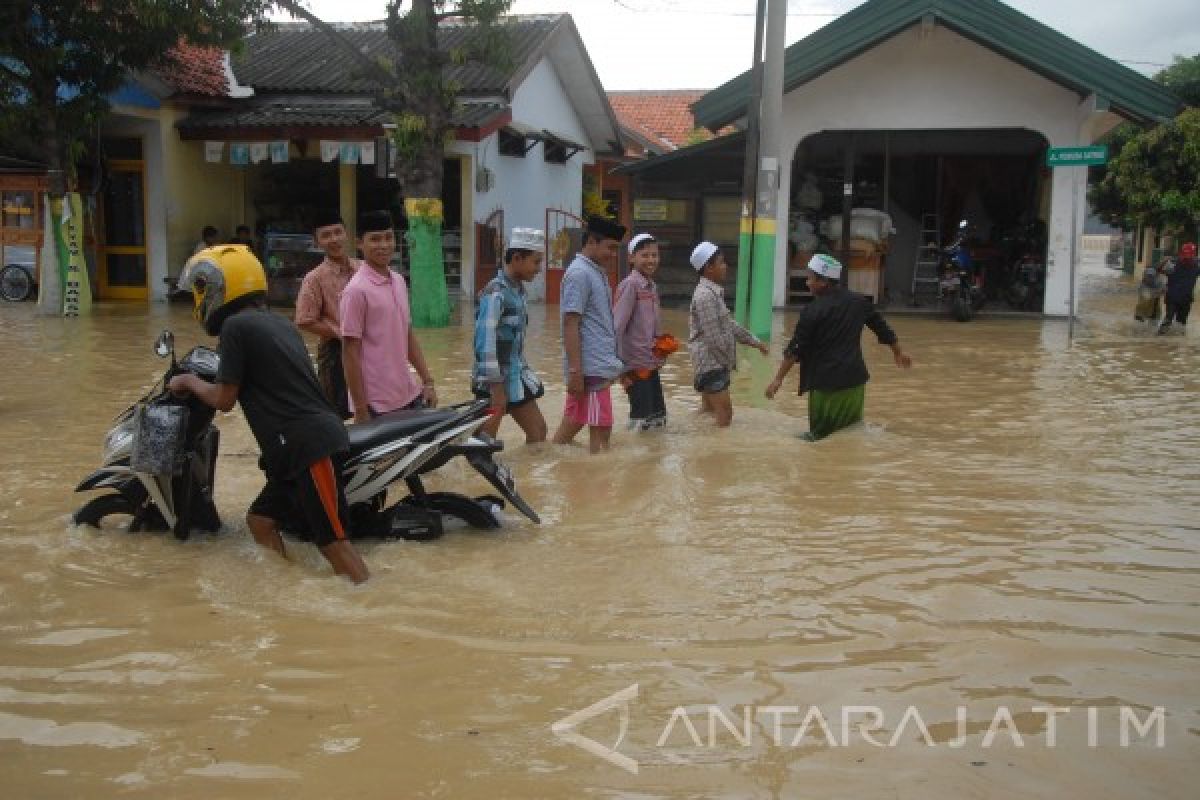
(1093, 156)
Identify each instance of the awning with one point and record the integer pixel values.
(520, 130)
(571, 146)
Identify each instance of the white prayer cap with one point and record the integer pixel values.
(826, 266)
(701, 255)
(526, 239)
(636, 240)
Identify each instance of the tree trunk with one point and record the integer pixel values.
(421, 174)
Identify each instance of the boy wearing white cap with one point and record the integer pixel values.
(827, 343)
(635, 314)
(714, 335)
(501, 373)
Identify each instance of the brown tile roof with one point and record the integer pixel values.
(194, 70)
(663, 117)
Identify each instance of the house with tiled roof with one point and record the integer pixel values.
(288, 124)
(657, 121)
(523, 134)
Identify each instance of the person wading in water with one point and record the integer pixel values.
(827, 343)
(266, 369)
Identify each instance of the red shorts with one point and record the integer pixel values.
(590, 408)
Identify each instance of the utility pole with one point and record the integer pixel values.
(762, 274)
(750, 174)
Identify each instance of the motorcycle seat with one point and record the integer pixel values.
(395, 425)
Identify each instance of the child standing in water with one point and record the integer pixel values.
(635, 315)
(714, 335)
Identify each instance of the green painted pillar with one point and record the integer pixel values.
(741, 297)
(762, 282)
(428, 299)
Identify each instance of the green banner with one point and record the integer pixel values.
(77, 293)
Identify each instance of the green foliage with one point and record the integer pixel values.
(1183, 78)
(62, 58)
(1105, 196)
(696, 136)
(1155, 177)
(423, 99)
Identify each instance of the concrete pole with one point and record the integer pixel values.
(750, 174)
(762, 276)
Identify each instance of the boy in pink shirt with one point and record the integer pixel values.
(635, 316)
(377, 338)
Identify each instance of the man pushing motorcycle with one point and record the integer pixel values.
(265, 366)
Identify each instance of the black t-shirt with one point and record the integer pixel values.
(294, 424)
(828, 340)
(1181, 283)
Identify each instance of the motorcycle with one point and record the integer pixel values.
(1027, 284)
(160, 459)
(960, 286)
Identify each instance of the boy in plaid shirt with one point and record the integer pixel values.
(501, 373)
(714, 335)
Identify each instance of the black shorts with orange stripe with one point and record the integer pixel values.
(312, 505)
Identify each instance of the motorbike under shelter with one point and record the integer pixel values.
(908, 191)
(931, 111)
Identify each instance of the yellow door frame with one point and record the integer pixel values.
(107, 290)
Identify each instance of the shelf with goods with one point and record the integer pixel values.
(451, 257)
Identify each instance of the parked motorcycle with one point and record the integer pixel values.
(961, 285)
(160, 460)
(1026, 284)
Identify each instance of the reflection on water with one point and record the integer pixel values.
(1015, 527)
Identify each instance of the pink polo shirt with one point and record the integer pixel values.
(374, 308)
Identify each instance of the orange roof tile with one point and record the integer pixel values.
(195, 70)
(663, 116)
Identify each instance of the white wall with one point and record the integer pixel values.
(526, 187)
(921, 81)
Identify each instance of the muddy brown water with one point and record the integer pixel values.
(1015, 528)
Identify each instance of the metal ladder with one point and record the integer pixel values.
(929, 250)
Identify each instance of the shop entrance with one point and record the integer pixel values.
(906, 188)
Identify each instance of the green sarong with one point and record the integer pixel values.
(829, 412)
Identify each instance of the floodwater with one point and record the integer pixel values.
(1014, 529)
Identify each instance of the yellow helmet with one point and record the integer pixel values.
(222, 280)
